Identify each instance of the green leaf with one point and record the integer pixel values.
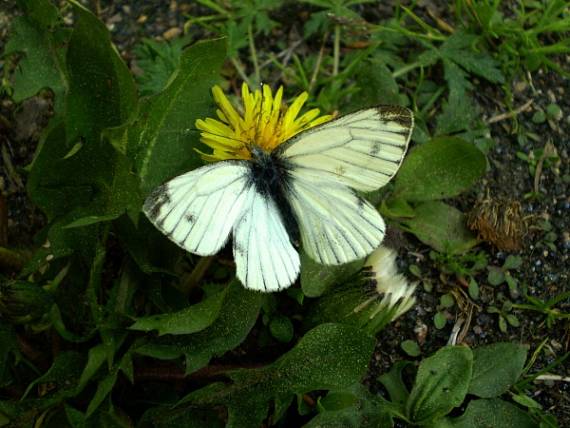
(397, 208)
(97, 356)
(442, 227)
(102, 92)
(331, 356)
(441, 384)
(496, 368)
(43, 49)
(62, 375)
(411, 348)
(459, 112)
(317, 278)
(103, 390)
(525, 400)
(237, 316)
(496, 276)
(441, 168)
(282, 329)
(163, 136)
(447, 300)
(512, 262)
(439, 320)
(459, 49)
(158, 59)
(377, 86)
(190, 320)
(395, 385)
(492, 413)
(96, 183)
(354, 407)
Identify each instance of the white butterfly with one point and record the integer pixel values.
(307, 182)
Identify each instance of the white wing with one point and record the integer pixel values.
(197, 210)
(265, 258)
(336, 226)
(362, 150)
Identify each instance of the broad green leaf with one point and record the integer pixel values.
(282, 329)
(163, 136)
(441, 384)
(354, 407)
(190, 320)
(317, 278)
(96, 181)
(237, 316)
(441, 168)
(496, 368)
(377, 86)
(102, 92)
(331, 356)
(396, 208)
(43, 48)
(148, 247)
(442, 227)
(492, 413)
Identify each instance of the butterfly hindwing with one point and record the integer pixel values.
(362, 150)
(198, 210)
(336, 226)
(265, 258)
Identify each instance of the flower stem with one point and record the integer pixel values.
(195, 277)
(253, 53)
(336, 53)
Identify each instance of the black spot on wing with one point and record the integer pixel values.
(156, 200)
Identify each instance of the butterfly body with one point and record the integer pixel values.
(305, 190)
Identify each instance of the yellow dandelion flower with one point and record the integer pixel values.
(264, 123)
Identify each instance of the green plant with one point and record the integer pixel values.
(546, 307)
(516, 31)
(442, 383)
(497, 275)
(158, 60)
(505, 316)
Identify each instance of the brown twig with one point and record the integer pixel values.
(172, 372)
(510, 114)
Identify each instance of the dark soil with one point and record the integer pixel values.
(545, 252)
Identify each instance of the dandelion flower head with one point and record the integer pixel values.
(263, 123)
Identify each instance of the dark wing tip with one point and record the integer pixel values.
(401, 115)
(155, 201)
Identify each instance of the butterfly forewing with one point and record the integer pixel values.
(362, 150)
(197, 210)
